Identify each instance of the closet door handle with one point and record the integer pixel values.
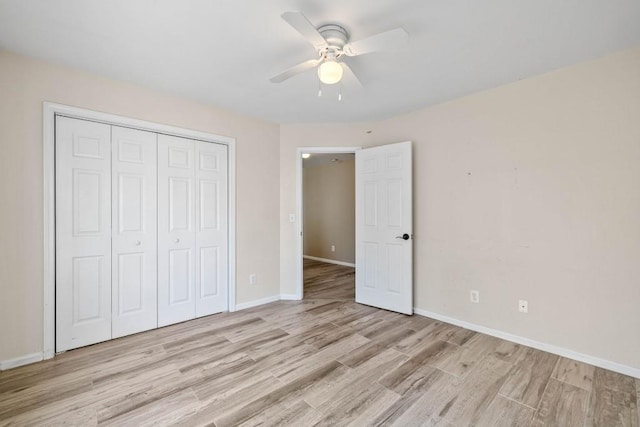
(138, 243)
(177, 241)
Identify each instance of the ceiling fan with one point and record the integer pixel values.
(331, 41)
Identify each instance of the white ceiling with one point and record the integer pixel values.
(223, 52)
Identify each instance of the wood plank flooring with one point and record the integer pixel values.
(323, 280)
(320, 361)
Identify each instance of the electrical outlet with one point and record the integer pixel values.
(333, 248)
(474, 296)
(252, 279)
(523, 306)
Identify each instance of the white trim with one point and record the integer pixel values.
(49, 259)
(255, 303)
(231, 224)
(20, 361)
(550, 348)
(113, 119)
(330, 261)
(299, 203)
(50, 110)
(289, 297)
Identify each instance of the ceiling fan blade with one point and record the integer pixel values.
(295, 70)
(300, 22)
(350, 77)
(388, 40)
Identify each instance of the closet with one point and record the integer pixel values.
(141, 230)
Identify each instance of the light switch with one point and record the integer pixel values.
(292, 217)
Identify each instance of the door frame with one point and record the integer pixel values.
(50, 111)
(299, 208)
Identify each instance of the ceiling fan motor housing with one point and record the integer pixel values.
(335, 35)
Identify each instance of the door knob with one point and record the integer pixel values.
(177, 240)
(405, 236)
(138, 243)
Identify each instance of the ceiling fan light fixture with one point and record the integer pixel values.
(330, 72)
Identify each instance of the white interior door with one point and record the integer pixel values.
(176, 230)
(83, 233)
(211, 228)
(134, 219)
(384, 247)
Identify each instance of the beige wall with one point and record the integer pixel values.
(330, 210)
(24, 85)
(527, 191)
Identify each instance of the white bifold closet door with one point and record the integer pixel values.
(106, 237)
(211, 228)
(83, 233)
(141, 231)
(192, 229)
(134, 265)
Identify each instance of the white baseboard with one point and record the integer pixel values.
(290, 297)
(330, 261)
(257, 302)
(20, 361)
(550, 348)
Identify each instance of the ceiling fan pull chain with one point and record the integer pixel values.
(319, 88)
(340, 92)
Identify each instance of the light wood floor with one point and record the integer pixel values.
(323, 280)
(319, 361)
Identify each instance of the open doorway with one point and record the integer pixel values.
(328, 209)
(326, 203)
(383, 223)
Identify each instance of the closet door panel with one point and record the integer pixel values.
(180, 276)
(176, 229)
(211, 228)
(83, 233)
(134, 245)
